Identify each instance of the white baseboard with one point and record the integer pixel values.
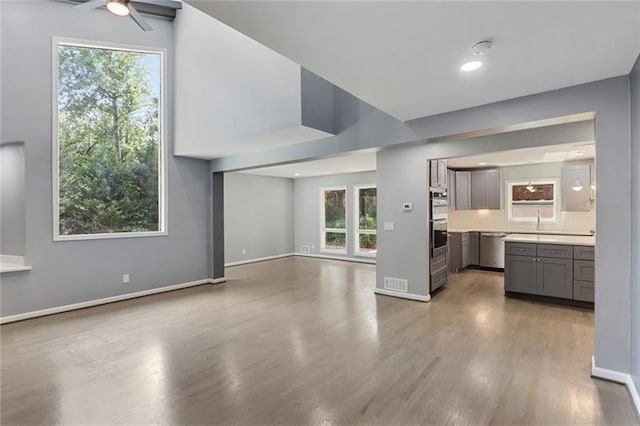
(616, 376)
(401, 295)
(103, 301)
(346, 259)
(258, 259)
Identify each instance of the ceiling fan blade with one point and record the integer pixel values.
(88, 5)
(142, 23)
(173, 4)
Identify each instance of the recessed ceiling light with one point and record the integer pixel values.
(579, 153)
(482, 163)
(471, 65)
(296, 174)
(118, 7)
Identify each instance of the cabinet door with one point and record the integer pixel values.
(555, 277)
(451, 189)
(465, 254)
(576, 201)
(474, 248)
(493, 194)
(442, 173)
(478, 189)
(520, 274)
(455, 254)
(463, 190)
(433, 173)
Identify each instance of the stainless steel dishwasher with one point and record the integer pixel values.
(492, 249)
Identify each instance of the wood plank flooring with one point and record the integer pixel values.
(305, 341)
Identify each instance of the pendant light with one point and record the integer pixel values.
(530, 187)
(577, 185)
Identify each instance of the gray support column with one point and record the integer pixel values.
(217, 224)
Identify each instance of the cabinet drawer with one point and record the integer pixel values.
(438, 263)
(439, 279)
(520, 249)
(584, 252)
(584, 270)
(555, 250)
(584, 291)
(464, 237)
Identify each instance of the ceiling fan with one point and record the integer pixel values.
(125, 7)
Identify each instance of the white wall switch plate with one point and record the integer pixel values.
(389, 226)
(125, 278)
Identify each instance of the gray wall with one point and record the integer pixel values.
(74, 271)
(12, 213)
(635, 224)
(258, 216)
(307, 208)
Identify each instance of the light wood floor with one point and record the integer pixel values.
(305, 341)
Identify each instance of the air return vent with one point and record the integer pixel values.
(305, 249)
(396, 284)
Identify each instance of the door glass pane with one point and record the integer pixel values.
(367, 242)
(335, 240)
(335, 208)
(367, 208)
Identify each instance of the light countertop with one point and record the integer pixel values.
(574, 240)
(588, 234)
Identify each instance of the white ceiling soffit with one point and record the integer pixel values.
(518, 157)
(351, 163)
(404, 57)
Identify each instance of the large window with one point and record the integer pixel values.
(366, 222)
(108, 141)
(333, 220)
(533, 200)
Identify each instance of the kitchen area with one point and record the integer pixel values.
(528, 214)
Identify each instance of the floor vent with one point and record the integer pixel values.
(396, 284)
(305, 249)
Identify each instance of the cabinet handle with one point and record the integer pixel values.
(554, 251)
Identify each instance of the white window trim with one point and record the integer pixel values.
(544, 181)
(356, 222)
(163, 163)
(324, 230)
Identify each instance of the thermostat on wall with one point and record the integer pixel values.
(407, 207)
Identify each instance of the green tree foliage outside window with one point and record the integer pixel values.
(367, 205)
(335, 208)
(108, 140)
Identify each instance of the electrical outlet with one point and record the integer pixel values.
(125, 279)
(313, 246)
(244, 251)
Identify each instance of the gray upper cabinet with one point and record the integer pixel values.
(493, 189)
(486, 189)
(463, 190)
(576, 201)
(451, 189)
(478, 189)
(438, 173)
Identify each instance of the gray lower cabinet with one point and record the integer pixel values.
(459, 255)
(555, 277)
(549, 270)
(520, 274)
(474, 248)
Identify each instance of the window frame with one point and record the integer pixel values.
(324, 230)
(540, 181)
(356, 222)
(162, 148)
